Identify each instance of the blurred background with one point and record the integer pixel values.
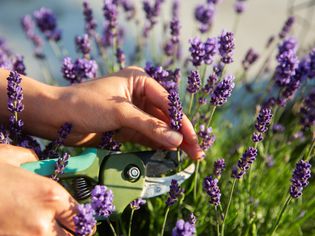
(260, 20)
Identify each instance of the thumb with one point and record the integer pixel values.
(16, 156)
(157, 130)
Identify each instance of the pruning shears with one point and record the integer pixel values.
(129, 175)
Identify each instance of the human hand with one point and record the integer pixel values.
(31, 204)
(132, 103)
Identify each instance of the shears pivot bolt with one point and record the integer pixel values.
(132, 173)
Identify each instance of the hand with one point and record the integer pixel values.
(131, 102)
(31, 204)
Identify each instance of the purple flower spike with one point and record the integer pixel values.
(4, 136)
(211, 48)
(175, 28)
(183, 228)
(192, 219)
(311, 73)
(47, 23)
(84, 221)
(102, 201)
(129, 8)
(18, 65)
(193, 82)
(278, 128)
(219, 166)
(286, 27)
(90, 23)
(207, 137)
(121, 58)
(86, 69)
(83, 44)
(300, 178)
(287, 64)
(210, 186)
(136, 204)
(151, 12)
(308, 111)
(69, 70)
(263, 120)
(108, 142)
(204, 14)
(197, 51)
(257, 137)
(249, 156)
(174, 194)
(226, 47)
(289, 44)
(175, 110)
(239, 6)
(60, 166)
(223, 91)
(250, 58)
(211, 82)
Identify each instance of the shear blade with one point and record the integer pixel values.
(157, 186)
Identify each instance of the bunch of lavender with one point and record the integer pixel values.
(102, 201)
(183, 228)
(79, 70)
(226, 47)
(223, 91)
(244, 163)
(15, 105)
(46, 21)
(90, 23)
(51, 150)
(210, 186)
(207, 137)
(307, 111)
(250, 58)
(107, 142)
(300, 178)
(60, 166)
(28, 27)
(263, 121)
(204, 14)
(218, 168)
(84, 220)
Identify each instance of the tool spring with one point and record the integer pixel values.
(82, 188)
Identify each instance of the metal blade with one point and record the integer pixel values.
(156, 186)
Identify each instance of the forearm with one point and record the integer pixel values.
(42, 113)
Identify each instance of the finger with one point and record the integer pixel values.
(16, 156)
(132, 117)
(190, 140)
(58, 230)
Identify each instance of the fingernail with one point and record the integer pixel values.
(174, 138)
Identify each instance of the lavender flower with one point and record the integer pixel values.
(18, 65)
(29, 142)
(129, 8)
(4, 136)
(90, 23)
(210, 186)
(183, 228)
(211, 48)
(286, 27)
(226, 47)
(151, 13)
(245, 162)
(102, 201)
(204, 14)
(250, 58)
(175, 28)
(69, 70)
(197, 51)
(257, 137)
(300, 178)
(239, 6)
(311, 73)
(289, 44)
(218, 69)
(136, 204)
(219, 166)
(263, 120)
(15, 105)
(288, 63)
(175, 110)
(193, 82)
(207, 137)
(223, 91)
(29, 27)
(174, 193)
(110, 10)
(169, 48)
(84, 220)
(121, 58)
(60, 166)
(83, 44)
(211, 82)
(192, 219)
(278, 128)
(308, 111)
(108, 142)
(47, 23)
(175, 8)
(5, 55)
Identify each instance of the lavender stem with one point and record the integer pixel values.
(164, 222)
(211, 116)
(130, 222)
(309, 154)
(191, 103)
(228, 206)
(196, 179)
(111, 227)
(287, 201)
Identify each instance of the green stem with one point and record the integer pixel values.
(236, 23)
(228, 207)
(130, 222)
(287, 201)
(195, 180)
(178, 159)
(191, 102)
(111, 227)
(164, 222)
(217, 224)
(309, 154)
(211, 116)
